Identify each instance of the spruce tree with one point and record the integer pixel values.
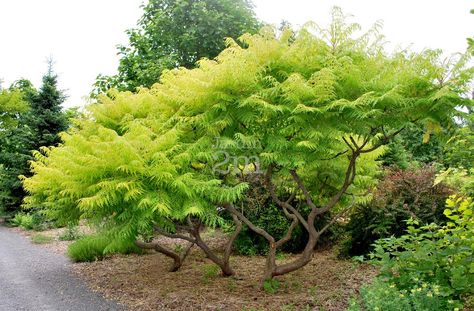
(47, 118)
(37, 127)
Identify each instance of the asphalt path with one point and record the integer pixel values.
(34, 278)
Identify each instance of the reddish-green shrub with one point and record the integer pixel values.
(400, 195)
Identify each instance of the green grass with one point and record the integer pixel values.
(95, 247)
(89, 248)
(41, 239)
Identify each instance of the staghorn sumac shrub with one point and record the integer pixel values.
(312, 111)
(400, 195)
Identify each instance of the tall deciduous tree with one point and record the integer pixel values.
(306, 115)
(177, 33)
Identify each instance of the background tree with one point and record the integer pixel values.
(12, 104)
(173, 34)
(39, 126)
(47, 118)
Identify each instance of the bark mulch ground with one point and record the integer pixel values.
(144, 283)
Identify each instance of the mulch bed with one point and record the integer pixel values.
(144, 283)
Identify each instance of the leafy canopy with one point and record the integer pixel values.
(11, 105)
(150, 158)
(172, 34)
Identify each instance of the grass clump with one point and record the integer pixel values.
(41, 239)
(95, 247)
(210, 272)
(89, 248)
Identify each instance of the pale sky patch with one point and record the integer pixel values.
(82, 36)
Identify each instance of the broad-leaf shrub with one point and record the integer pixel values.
(460, 179)
(274, 222)
(383, 296)
(442, 256)
(23, 220)
(399, 196)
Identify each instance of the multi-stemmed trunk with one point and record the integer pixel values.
(272, 269)
(194, 238)
(178, 258)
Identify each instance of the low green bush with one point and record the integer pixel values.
(95, 247)
(272, 219)
(70, 234)
(33, 220)
(23, 220)
(262, 212)
(433, 256)
(400, 195)
(383, 296)
(88, 248)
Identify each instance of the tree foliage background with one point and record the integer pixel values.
(173, 34)
(36, 122)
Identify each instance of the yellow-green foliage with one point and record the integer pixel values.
(11, 104)
(150, 157)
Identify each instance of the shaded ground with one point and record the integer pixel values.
(143, 283)
(34, 278)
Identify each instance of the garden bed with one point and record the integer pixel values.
(144, 283)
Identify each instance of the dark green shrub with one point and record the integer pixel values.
(400, 195)
(91, 248)
(259, 208)
(39, 221)
(32, 220)
(272, 219)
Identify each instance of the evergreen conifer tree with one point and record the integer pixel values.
(37, 127)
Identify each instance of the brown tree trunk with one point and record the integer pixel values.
(270, 264)
(224, 262)
(177, 258)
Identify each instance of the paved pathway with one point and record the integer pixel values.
(33, 278)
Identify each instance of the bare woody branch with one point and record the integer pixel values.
(229, 207)
(283, 204)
